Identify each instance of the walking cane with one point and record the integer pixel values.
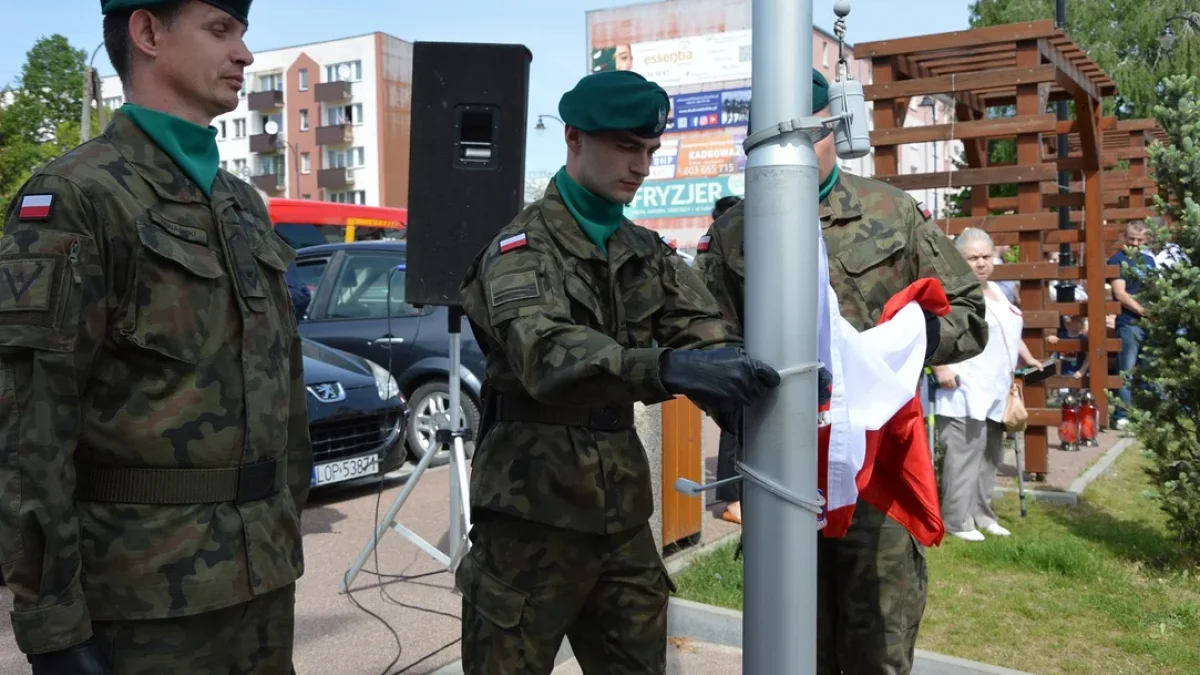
(1019, 446)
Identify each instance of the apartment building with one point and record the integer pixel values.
(328, 121)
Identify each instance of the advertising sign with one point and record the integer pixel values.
(683, 198)
(712, 153)
(679, 62)
(709, 110)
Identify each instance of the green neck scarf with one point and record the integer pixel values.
(597, 217)
(829, 182)
(191, 146)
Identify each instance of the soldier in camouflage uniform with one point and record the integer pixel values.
(582, 314)
(154, 449)
(872, 583)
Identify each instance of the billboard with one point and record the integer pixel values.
(684, 61)
(709, 110)
(704, 154)
(682, 198)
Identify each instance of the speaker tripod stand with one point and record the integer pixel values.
(455, 438)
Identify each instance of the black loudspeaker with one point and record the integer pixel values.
(467, 159)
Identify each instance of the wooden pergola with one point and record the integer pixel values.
(1025, 66)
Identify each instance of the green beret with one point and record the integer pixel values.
(820, 94)
(616, 100)
(238, 9)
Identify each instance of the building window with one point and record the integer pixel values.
(305, 163)
(824, 53)
(349, 158)
(242, 91)
(239, 168)
(304, 120)
(272, 82)
(114, 102)
(221, 132)
(349, 197)
(350, 71)
(303, 74)
(344, 114)
(239, 128)
(224, 165)
(264, 119)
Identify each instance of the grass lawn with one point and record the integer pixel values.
(1099, 588)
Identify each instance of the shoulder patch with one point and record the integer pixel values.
(704, 243)
(515, 286)
(669, 242)
(36, 207)
(519, 240)
(924, 210)
(27, 284)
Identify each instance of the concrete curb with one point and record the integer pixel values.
(1070, 496)
(719, 626)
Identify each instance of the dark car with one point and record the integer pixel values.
(356, 416)
(358, 306)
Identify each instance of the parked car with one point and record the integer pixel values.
(358, 307)
(356, 415)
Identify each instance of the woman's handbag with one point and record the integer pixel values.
(1016, 417)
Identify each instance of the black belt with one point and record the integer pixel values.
(510, 408)
(127, 485)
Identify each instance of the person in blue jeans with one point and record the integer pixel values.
(1125, 289)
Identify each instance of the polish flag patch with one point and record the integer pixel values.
(668, 241)
(924, 210)
(702, 245)
(514, 242)
(35, 207)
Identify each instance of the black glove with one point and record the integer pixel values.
(82, 659)
(716, 378)
(933, 333)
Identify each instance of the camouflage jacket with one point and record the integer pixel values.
(142, 325)
(564, 325)
(879, 241)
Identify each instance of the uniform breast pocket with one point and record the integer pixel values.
(180, 299)
(587, 304)
(273, 258)
(643, 300)
(875, 272)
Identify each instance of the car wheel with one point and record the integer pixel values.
(430, 406)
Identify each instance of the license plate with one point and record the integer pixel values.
(345, 469)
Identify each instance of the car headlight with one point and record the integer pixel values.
(385, 384)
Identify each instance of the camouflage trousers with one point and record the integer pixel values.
(871, 588)
(526, 585)
(253, 638)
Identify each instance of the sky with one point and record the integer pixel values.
(555, 31)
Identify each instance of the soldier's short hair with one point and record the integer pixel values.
(116, 34)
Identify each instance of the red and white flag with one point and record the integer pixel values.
(875, 445)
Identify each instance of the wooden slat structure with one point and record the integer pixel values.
(1025, 66)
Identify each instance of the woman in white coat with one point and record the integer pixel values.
(970, 402)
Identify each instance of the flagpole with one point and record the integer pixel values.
(781, 240)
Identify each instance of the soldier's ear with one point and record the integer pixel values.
(574, 139)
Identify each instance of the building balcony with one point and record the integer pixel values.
(335, 134)
(264, 143)
(265, 100)
(268, 182)
(329, 92)
(335, 178)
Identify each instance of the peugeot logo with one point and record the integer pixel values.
(328, 392)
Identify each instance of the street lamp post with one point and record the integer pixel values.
(1191, 21)
(272, 127)
(91, 91)
(540, 126)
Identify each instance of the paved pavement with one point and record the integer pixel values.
(417, 601)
